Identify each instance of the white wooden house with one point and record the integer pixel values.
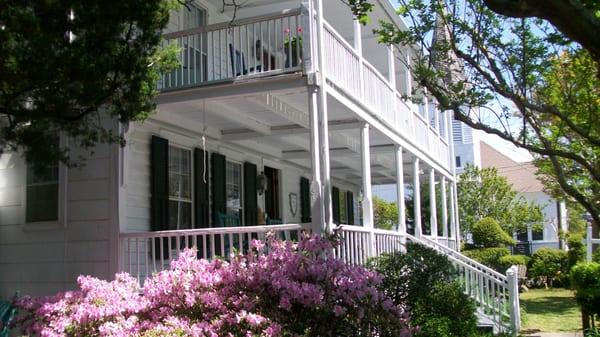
(280, 119)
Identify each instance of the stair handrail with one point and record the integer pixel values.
(458, 256)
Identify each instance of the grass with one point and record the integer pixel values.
(550, 310)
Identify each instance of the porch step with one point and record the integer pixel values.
(485, 324)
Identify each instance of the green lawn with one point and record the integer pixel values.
(550, 310)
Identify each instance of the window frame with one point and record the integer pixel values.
(191, 182)
(61, 221)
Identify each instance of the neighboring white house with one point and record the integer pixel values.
(521, 175)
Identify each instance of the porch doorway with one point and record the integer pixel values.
(273, 196)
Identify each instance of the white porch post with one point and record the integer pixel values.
(316, 191)
(400, 191)
(444, 193)
(357, 37)
(367, 203)
(323, 124)
(391, 66)
(407, 75)
(455, 215)
(417, 198)
(433, 205)
(400, 198)
(455, 232)
(588, 244)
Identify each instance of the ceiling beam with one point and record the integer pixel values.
(240, 117)
(285, 130)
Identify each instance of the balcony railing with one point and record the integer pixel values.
(278, 43)
(351, 73)
(261, 46)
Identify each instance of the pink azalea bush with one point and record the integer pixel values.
(279, 289)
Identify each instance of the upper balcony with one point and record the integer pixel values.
(369, 74)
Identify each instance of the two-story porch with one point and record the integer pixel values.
(283, 122)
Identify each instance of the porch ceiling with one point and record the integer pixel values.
(276, 125)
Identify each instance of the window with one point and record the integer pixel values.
(42, 194)
(233, 186)
(458, 163)
(180, 188)
(537, 234)
(343, 210)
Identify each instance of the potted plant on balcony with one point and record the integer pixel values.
(293, 48)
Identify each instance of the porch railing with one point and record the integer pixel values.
(496, 295)
(264, 45)
(145, 253)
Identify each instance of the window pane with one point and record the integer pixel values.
(42, 194)
(180, 173)
(42, 203)
(233, 185)
(180, 215)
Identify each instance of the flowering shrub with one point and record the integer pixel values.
(279, 289)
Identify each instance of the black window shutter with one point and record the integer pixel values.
(250, 199)
(305, 200)
(335, 204)
(219, 205)
(201, 198)
(350, 207)
(159, 184)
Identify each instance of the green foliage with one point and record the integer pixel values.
(576, 252)
(596, 256)
(423, 279)
(360, 9)
(445, 311)
(483, 193)
(499, 67)
(585, 280)
(62, 75)
(489, 257)
(385, 213)
(409, 276)
(513, 260)
(487, 233)
(549, 265)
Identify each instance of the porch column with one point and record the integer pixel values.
(357, 37)
(391, 66)
(316, 191)
(417, 198)
(367, 203)
(358, 48)
(433, 205)
(327, 224)
(444, 193)
(407, 75)
(454, 205)
(400, 191)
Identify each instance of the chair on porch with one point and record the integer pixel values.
(7, 314)
(228, 220)
(238, 62)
